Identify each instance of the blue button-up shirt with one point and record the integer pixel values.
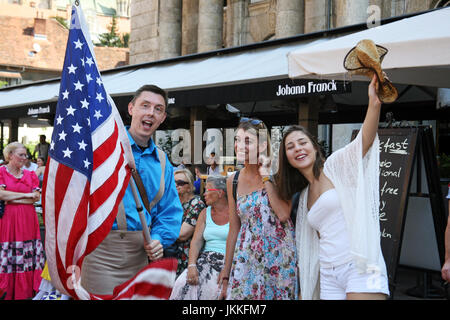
(166, 216)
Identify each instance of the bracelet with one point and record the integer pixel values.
(192, 265)
(267, 178)
(226, 278)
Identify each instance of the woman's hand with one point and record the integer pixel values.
(264, 165)
(35, 196)
(222, 281)
(192, 275)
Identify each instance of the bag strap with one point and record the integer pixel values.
(140, 185)
(162, 184)
(121, 219)
(235, 183)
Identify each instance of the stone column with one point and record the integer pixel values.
(417, 5)
(210, 23)
(144, 43)
(290, 18)
(189, 25)
(237, 23)
(349, 12)
(169, 29)
(316, 15)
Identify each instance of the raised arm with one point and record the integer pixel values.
(370, 125)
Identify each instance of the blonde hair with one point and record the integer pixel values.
(188, 175)
(10, 148)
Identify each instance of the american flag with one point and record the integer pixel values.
(87, 174)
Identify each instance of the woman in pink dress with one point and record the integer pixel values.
(21, 250)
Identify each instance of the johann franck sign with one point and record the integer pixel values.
(38, 110)
(258, 91)
(310, 88)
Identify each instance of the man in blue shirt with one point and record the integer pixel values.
(124, 251)
(148, 111)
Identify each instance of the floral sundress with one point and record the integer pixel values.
(265, 261)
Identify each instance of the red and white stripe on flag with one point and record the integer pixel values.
(86, 175)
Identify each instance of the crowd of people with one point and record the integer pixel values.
(243, 237)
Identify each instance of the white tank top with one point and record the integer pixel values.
(327, 218)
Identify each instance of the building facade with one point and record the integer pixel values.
(39, 36)
(170, 28)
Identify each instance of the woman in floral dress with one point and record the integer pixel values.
(21, 250)
(260, 262)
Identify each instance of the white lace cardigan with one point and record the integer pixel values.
(356, 180)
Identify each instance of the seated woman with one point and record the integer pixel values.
(199, 281)
(192, 206)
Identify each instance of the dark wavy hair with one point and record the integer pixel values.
(288, 179)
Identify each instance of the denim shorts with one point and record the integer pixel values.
(336, 282)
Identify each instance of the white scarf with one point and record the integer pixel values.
(356, 180)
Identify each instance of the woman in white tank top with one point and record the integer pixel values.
(337, 229)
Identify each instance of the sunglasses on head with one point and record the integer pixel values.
(254, 122)
(181, 182)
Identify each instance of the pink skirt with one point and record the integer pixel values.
(21, 252)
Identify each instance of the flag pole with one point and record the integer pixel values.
(140, 210)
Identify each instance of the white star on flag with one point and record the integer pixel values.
(99, 97)
(70, 110)
(97, 114)
(77, 128)
(78, 44)
(62, 135)
(72, 69)
(82, 145)
(67, 153)
(78, 85)
(86, 163)
(89, 61)
(59, 119)
(84, 103)
(65, 94)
